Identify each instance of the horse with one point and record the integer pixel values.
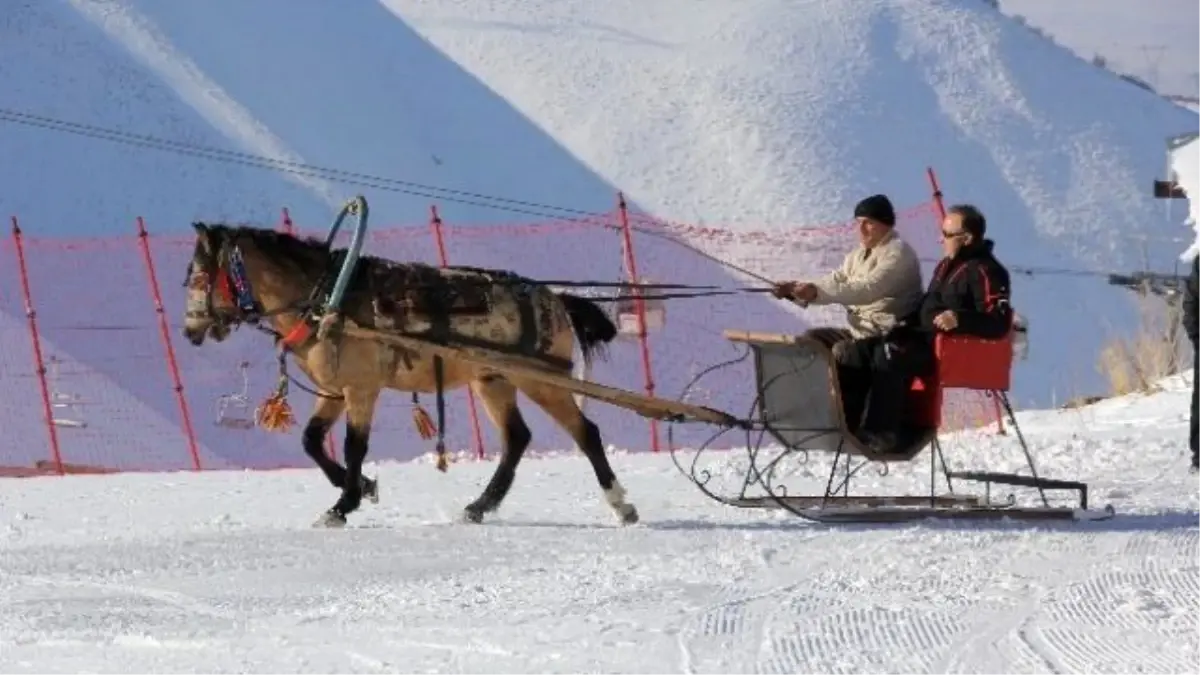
(273, 281)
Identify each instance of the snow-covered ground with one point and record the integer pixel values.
(220, 572)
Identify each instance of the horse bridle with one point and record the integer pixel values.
(222, 272)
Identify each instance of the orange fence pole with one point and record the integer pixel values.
(39, 362)
(165, 333)
(640, 307)
(439, 238)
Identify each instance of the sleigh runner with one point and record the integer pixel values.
(357, 325)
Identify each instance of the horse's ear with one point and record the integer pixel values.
(203, 236)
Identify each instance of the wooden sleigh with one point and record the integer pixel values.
(799, 407)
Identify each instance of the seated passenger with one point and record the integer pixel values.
(878, 282)
(968, 295)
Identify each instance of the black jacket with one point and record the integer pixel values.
(1189, 302)
(975, 286)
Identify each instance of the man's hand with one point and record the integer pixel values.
(796, 291)
(946, 321)
(805, 292)
(784, 289)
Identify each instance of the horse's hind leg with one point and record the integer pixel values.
(360, 409)
(500, 402)
(560, 405)
(325, 414)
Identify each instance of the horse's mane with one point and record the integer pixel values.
(310, 258)
(307, 256)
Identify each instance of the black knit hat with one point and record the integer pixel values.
(878, 208)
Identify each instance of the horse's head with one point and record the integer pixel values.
(211, 310)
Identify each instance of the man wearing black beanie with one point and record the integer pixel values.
(878, 282)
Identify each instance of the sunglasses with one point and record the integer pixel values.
(952, 235)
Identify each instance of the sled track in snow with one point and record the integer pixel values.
(1131, 620)
(734, 629)
(1095, 619)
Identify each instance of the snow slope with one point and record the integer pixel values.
(740, 114)
(745, 116)
(1157, 43)
(220, 572)
(383, 103)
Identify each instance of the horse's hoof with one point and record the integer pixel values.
(331, 519)
(370, 490)
(471, 515)
(630, 516)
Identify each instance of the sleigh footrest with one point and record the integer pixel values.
(1025, 481)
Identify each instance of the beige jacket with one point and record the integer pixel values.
(878, 287)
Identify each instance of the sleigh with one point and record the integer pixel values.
(798, 406)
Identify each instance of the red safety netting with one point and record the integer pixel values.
(126, 392)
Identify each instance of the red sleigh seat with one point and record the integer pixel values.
(960, 362)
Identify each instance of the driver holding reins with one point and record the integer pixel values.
(877, 283)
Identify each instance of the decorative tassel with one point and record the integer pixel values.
(423, 422)
(443, 463)
(275, 413)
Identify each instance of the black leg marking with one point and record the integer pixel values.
(614, 493)
(314, 447)
(355, 486)
(516, 440)
(593, 448)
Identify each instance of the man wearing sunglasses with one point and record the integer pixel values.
(968, 295)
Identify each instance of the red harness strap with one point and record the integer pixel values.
(296, 336)
(224, 285)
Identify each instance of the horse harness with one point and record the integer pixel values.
(424, 291)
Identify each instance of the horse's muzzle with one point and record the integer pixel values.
(196, 337)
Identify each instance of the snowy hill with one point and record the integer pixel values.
(220, 571)
(1156, 43)
(773, 112)
(734, 115)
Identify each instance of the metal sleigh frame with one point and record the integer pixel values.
(798, 404)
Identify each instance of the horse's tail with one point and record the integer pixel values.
(593, 329)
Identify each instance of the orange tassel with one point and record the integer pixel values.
(275, 414)
(442, 463)
(423, 423)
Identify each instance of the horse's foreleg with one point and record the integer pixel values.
(360, 408)
(499, 399)
(560, 405)
(325, 414)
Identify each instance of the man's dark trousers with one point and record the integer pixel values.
(878, 372)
